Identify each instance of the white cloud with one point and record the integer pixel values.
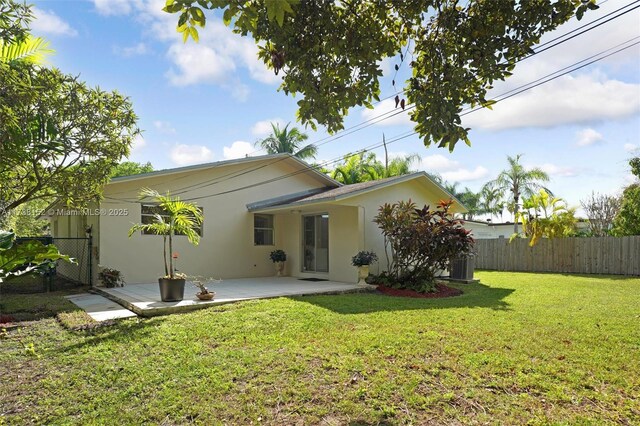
(115, 7)
(238, 149)
(215, 59)
(463, 175)
(585, 98)
(588, 137)
(439, 163)
(164, 127)
(47, 22)
(184, 155)
(263, 128)
(197, 63)
(135, 50)
(629, 147)
(452, 170)
(555, 170)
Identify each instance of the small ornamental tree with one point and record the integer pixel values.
(421, 242)
(545, 216)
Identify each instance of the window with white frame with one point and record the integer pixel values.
(263, 229)
(148, 212)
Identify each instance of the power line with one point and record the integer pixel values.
(389, 114)
(535, 52)
(543, 80)
(366, 124)
(539, 82)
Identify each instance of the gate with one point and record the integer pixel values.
(65, 275)
(79, 249)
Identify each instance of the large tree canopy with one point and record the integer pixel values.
(330, 51)
(130, 168)
(58, 137)
(14, 18)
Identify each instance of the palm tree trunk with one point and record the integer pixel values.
(170, 251)
(515, 214)
(164, 252)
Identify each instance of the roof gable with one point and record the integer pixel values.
(273, 158)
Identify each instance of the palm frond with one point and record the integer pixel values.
(33, 50)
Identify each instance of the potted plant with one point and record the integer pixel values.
(204, 293)
(177, 217)
(362, 260)
(278, 257)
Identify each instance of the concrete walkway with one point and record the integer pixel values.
(144, 299)
(98, 307)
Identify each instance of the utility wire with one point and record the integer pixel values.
(543, 80)
(392, 113)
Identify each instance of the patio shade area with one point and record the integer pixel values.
(144, 299)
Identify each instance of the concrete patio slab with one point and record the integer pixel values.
(98, 307)
(144, 299)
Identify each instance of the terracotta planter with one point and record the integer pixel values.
(206, 296)
(171, 289)
(279, 268)
(363, 273)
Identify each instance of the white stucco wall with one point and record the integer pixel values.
(226, 248)
(344, 240)
(370, 202)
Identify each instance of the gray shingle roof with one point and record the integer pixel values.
(329, 194)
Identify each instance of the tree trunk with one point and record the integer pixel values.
(170, 252)
(164, 252)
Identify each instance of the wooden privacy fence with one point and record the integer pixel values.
(596, 255)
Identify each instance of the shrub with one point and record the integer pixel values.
(278, 256)
(421, 242)
(364, 258)
(111, 277)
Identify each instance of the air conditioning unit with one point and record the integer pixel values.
(462, 267)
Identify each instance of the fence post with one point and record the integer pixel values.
(48, 277)
(90, 259)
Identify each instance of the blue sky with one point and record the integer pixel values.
(212, 100)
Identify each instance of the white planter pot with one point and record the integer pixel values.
(363, 273)
(279, 268)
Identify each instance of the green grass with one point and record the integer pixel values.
(30, 307)
(518, 348)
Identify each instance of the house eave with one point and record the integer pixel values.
(334, 199)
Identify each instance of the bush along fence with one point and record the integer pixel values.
(596, 255)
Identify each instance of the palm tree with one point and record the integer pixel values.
(452, 188)
(491, 200)
(472, 201)
(32, 50)
(355, 169)
(287, 141)
(398, 166)
(173, 217)
(518, 182)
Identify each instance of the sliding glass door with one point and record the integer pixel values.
(315, 243)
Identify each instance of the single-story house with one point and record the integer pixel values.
(251, 206)
(488, 230)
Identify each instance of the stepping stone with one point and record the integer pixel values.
(98, 307)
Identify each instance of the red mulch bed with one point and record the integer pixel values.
(6, 319)
(441, 291)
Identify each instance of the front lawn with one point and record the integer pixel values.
(518, 348)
